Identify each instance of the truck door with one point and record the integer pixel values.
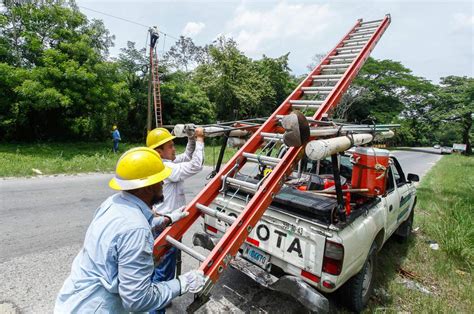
(401, 185)
(391, 201)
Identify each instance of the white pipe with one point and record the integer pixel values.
(211, 131)
(320, 149)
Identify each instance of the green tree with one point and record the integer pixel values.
(241, 87)
(133, 65)
(183, 55)
(184, 101)
(60, 84)
(456, 105)
(387, 92)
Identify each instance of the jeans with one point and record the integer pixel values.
(115, 148)
(165, 271)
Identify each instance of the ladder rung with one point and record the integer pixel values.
(303, 107)
(325, 80)
(359, 40)
(349, 48)
(354, 46)
(361, 33)
(214, 213)
(239, 184)
(307, 102)
(370, 22)
(318, 88)
(266, 160)
(366, 27)
(313, 92)
(343, 56)
(272, 136)
(335, 66)
(185, 249)
(327, 76)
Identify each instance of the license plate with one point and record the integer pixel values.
(257, 257)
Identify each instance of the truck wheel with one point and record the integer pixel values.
(403, 231)
(360, 287)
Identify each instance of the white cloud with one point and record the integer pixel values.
(462, 20)
(193, 28)
(254, 29)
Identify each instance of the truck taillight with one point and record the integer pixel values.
(333, 258)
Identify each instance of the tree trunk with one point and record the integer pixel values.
(467, 124)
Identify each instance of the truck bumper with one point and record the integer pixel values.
(290, 285)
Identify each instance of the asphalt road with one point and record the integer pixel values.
(43, 222)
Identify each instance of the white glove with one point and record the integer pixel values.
(192, 281)
(177, 214)
(189, 130)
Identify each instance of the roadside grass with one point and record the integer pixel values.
(444, 214)
(19, 159)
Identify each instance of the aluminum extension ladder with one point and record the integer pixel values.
(318, 93)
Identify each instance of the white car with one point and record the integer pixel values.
(446, 150)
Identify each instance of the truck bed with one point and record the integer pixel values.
(308, 205)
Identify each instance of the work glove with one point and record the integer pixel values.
(189, 130)
(177, 214)
(192, 281)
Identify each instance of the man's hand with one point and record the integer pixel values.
(177, 214)
(192, 281)
(199, 133)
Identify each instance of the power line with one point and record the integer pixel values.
(126, 20)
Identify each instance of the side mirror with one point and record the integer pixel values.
(413, 177)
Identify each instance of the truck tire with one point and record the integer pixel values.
(403, 231)
(359, 288)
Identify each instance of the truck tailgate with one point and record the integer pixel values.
(278, 238)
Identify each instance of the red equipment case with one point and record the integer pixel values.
(370, 170)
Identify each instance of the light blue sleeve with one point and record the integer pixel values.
(135, 268)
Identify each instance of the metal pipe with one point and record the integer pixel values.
(185, 249)
(320, 149)
(214, 213)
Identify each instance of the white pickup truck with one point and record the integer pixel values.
(301, 248)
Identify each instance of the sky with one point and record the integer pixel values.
(432, 38)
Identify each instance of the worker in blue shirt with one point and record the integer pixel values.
(112, 272)
(115, 138)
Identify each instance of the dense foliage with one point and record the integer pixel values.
(58, 82)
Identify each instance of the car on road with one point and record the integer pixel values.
(446, 150)
(436, 146)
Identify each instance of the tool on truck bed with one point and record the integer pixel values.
(319, 92)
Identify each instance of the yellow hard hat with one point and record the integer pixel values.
(114, 127)
(158, 137)
(137, 168)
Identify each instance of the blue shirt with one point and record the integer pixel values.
(116, 135)
(112, 273)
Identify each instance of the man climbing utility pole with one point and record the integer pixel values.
(154, 95)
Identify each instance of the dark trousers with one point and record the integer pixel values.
(115, 148)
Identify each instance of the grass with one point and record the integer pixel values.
(444, 214)
(19, 159)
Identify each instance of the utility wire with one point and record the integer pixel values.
(126, 20)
